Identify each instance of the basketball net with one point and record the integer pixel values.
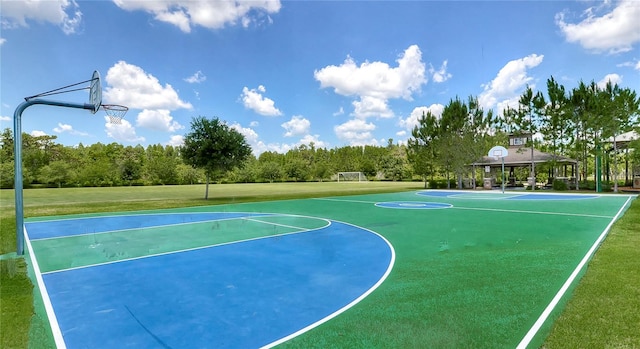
(115, 113)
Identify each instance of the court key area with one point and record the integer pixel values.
(412, 269)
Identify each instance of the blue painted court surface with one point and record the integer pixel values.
(246, 294)
(413, 205)
(91, 225)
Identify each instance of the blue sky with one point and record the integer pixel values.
(287, 73)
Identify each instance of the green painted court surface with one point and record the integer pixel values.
(471, 269)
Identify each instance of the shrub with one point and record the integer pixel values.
(559, 185)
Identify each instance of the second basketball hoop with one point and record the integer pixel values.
(115, 112)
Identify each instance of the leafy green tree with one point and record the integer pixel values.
(131, 164)
(620, 108)
(557, 126)
(321, 167)
(248, 173)
(396, 164)
(215, 147)
(530, 118)
(57, 172)
(97, 167)
(188, 174)
(297, 169)
(270, 171)
(6, 145)
(421, 149)
(6, 174)
(161, 164)
(461, 137)
(36, 153)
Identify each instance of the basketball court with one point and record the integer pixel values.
(426, 268)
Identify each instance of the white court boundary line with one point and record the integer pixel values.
(485, 209)
(56, 328)
(486, 195)
(350, 305)
(556, 299)
(531, 212)
(48, 307)
(301, 230)
(88, 216)
(142, 228)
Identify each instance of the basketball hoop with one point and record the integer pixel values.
(115, 113)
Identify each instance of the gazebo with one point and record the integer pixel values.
(521, 156)
(622, 143)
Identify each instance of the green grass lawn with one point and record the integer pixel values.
(602, 313)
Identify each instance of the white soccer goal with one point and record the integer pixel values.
(352, 177)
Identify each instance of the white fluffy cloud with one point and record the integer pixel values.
(371, 106)
(37, 133)
(61, 128)
(64, 13)
(254, 100)
(176, 140)
(123, 132)
(412, 120)
(159, 120)
(509, 82)
(614, 78)
(440, 75)
(375, 82)
(297, 126)
(315, 139)
(196, 78)
(635, 65)
(615, 31)
(356, 132)
(258, 146)
(185, 14)
(249, 134)
(130, 85)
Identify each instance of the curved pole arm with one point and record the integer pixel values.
(17, 159)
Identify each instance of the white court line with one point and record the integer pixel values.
(350, 305)
(278, 224)
(488, 209)
(340, 200)
(532, 212)
(554, 302)
(481, 196)
(137, 228)
(199, 247)
(48, 307)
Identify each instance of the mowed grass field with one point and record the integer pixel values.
(602, 313)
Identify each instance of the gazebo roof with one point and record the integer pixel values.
(522, 157)
(624, 139)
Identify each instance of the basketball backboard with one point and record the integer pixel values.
(498, 152)
(95, 92)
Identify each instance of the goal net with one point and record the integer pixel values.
(351, 177)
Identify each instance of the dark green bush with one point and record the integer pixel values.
(559, 185)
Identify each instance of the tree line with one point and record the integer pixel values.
(50, 164)
(572, 123)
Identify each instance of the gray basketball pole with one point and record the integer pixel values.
(17, 154)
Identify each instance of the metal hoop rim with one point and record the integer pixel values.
(114, 107)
